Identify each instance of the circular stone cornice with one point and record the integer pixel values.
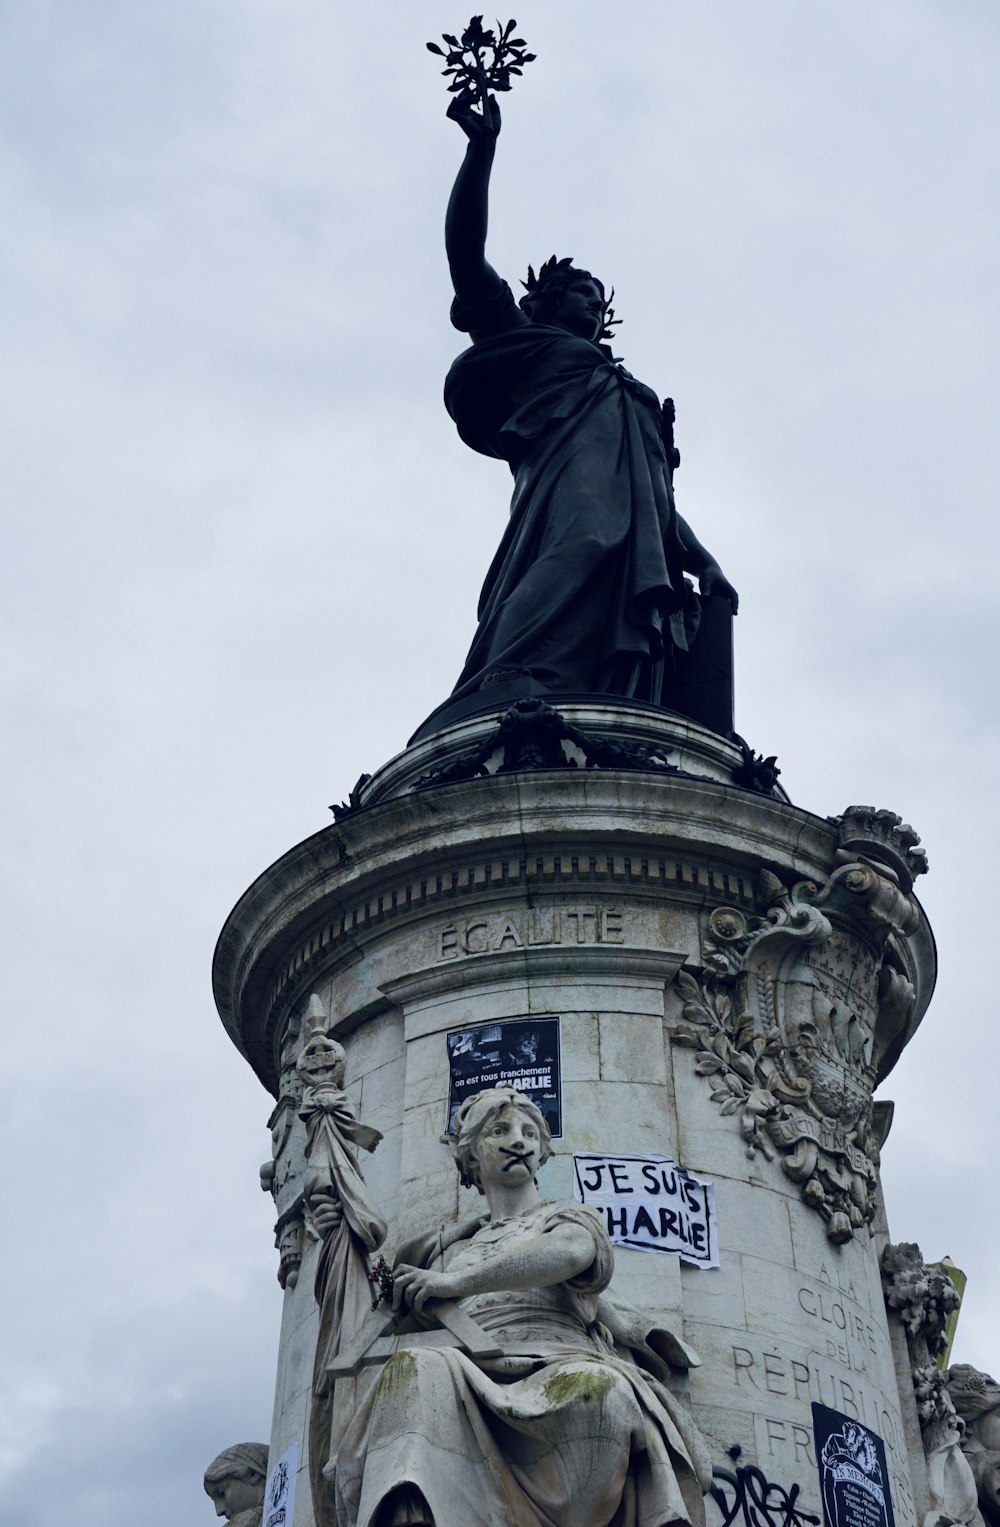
(398, 861)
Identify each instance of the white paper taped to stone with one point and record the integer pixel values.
(649, 1203)
(279, 1492)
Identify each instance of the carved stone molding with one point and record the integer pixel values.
(534, 735)
(370, 892)
(792, 1015)
(523, 873)
(882, 837)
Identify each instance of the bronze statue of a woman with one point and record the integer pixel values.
(586, 594)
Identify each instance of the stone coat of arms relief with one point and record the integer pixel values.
(796, 1009)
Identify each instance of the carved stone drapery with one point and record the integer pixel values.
(796, 1008)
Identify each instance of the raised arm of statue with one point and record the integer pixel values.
(468, 208)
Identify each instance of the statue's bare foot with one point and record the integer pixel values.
(405, 1507)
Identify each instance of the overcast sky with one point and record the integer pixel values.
(243, 548)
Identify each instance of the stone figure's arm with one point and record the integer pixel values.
(468, 209)
(553, 1256)
(695, 559)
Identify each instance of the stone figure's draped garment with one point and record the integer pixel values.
(562, 1430)
(586, 591)
(343, 1291)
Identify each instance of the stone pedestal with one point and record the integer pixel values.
(731, 976)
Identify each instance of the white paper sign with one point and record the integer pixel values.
(649, 1203)
(279, 1492)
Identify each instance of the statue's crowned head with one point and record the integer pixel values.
(235, 1480)
(481, 1110)
(567, 296)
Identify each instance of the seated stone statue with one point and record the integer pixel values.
(235, 1483)
(572, 1426)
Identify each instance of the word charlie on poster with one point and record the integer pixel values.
(649, 1203)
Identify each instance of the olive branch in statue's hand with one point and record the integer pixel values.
(479, 61)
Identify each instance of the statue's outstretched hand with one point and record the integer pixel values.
(477, 126)
(713, 580)
(413, 1286)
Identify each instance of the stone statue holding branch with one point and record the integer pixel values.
(587, 593)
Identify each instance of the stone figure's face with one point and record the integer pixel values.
(508, 1148)
(580, 308)
(231, 1495)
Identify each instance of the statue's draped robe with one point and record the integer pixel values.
(343, 1291)
(565, 1429)
(586, 592)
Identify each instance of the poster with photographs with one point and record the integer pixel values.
(854, 1476)
(520, 1052)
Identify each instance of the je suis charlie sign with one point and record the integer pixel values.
(649, 1203)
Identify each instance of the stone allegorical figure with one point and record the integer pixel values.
(587, 592)
(235, 1483)
(346, 1218)
(572, 1426)
(976, 1398)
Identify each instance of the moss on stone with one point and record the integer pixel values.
(563, 1388)
(398, 1372)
